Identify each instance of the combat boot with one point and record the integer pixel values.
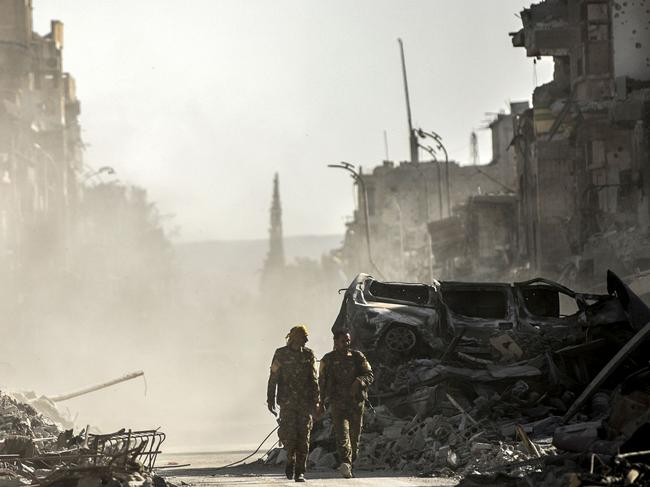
(288, 470)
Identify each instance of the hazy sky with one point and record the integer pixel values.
(202, 101)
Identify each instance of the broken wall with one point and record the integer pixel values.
(402, 200)
(492, 235)
(583, 163)
(631, 38)
(16, 21)
(40, 147)
(504, 156)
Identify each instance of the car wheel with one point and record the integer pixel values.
(400, 339)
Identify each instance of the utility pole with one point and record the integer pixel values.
(434, 158)
(413, 141)
(346, 166)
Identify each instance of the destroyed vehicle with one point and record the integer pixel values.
(406, 321)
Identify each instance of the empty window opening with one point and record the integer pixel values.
(549, 303)
(477, 303)
(418, 294)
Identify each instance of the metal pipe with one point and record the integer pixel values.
(88, 390)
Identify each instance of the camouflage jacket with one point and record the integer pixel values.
(338, 371)
(293, 372)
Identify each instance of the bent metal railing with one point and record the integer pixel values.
(127, 445)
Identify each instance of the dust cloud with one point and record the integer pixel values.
(120, 297)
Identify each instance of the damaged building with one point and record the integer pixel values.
(582, 149)
(527, 382)
(40, 139)
(407, 200)
(579, 204)
(480, 240)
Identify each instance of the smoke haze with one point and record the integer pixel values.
(200, 103)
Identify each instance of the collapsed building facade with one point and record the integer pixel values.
(566, 193)
(583, 148)
(581, 154)
(40, 139)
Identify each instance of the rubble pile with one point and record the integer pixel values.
(34, 450)
(19, 419)
(445, 419)
(570, 408)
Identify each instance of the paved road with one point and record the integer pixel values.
(261, 476)
(201, 471)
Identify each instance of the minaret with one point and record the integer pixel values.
(275, 258)
(473, 149)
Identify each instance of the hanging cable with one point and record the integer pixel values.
(258, 449)
(247, 457)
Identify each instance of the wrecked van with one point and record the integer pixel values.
(406, 320)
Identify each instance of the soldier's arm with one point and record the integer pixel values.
(313, 381)
(365, 376)
(273, 380)
(322, 380)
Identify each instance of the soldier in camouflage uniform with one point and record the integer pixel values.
(293, 373)
(344, 378)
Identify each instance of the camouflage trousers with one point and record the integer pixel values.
(347, 421)
(295, 427)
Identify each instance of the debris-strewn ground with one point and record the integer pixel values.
(202, 472)
(36, 450)
(551, 413)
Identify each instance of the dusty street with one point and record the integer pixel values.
(203, 471)
(260, 476)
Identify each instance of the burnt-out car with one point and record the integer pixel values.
(405, 321)
(400, 318)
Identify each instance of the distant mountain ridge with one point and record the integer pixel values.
(237, 257)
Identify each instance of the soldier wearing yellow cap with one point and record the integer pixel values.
(294, 383)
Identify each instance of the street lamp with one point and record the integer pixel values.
(440, 146)
(101, 170)
(432, 153)
(346, 166)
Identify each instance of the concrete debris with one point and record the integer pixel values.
(575, 411)
(35, 450)
(44, 406)
(18, 419)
